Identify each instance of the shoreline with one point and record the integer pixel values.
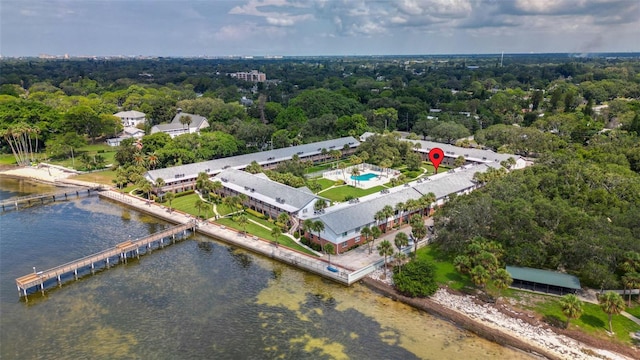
(544, 341)
(598, 349)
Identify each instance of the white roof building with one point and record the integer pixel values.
(176, 127)
(131, 117)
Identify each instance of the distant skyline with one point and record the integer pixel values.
(316, 27)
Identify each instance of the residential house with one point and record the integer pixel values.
(182, 123)
(131, 118)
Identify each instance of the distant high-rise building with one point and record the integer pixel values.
(252, 76)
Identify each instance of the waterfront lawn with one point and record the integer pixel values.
(635, 307)
(223, 209)
(105, 177)
(593, 321)
(446, 273)
(187, 204)
(257, 230)
(339, 193)
(7, 159)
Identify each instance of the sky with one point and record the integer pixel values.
(316, 27)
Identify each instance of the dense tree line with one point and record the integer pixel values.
(577, 209)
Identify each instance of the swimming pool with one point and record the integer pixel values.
(364, 177)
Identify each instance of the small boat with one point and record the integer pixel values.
(332, 269)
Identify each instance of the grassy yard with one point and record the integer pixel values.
(339, 193)
(259, 231)
(7, 159)
(634, 309)
(593, 321)
(187, 204)
(102, 177)
(446, 273)
(325, 183)
(106, 151)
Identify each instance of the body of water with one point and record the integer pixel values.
(364, 177)
(197, 299)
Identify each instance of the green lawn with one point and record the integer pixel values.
(259, 231)
(339, 193)
(593, 320)
(187, 204)
(320, 167)
(634, 309)
(102, 177)
(446, 273)
(108, 153)
(325, 183)
(7, 159)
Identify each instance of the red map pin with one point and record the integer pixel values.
(436, 155)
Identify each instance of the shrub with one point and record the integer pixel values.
(257, 214)
(185, 193)
(339, 182)
(416, 279)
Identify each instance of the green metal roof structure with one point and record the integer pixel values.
(546, 277)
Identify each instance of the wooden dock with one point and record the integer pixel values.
(14, 203)
(120, 252)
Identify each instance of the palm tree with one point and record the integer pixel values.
(201, 182)
(329, 249)
(283, 218)
(242, 220)
(502, 280)
(185, 120)
(242, 199)
(385, 249)
(319, 227)
(401, 240)
(571, 307)
(159, 183)
(145, 187)
(169, 197)
(343, 166)
(386, 164)
(276, 232)
(426, 200)
(631, 281)
(365, 233)
(611, 303)
(401, 208)
(462, 263)
(400, 259)
(215, 186)
(418, 230)
(232, 202)
(355, 173)
(306, 226)
(200, 205)
(479, 276)
(375, 234)
(152, 160)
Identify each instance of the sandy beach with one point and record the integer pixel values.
(42, 173)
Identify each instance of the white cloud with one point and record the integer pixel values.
(248, 31)
(286, 16)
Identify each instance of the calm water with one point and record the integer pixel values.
(198, 299)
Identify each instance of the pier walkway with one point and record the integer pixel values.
(119, 252)
(29, 200)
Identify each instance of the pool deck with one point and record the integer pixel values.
(381, 177)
